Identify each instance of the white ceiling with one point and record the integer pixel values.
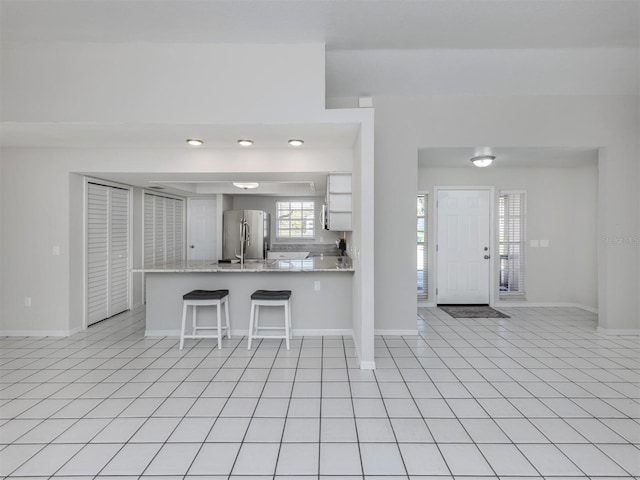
(193, 184)
(373, 47)
(341, 25)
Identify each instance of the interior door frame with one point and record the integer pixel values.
(492, 236)
(187, 224)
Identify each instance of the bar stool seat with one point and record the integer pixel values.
(269, 298)
(203, 298)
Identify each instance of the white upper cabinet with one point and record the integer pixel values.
(339, 209)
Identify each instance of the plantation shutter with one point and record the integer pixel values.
(423, 247)
(107, 251)
(511, 239)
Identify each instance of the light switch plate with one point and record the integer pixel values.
(544, 243)
(533, 243)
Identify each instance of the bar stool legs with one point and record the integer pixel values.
(201, 298)
(269, 298)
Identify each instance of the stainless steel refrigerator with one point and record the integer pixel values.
(245, 231)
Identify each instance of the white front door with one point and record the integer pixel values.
(202, 229)
(463, 243)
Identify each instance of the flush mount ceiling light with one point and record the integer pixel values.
(195, 142)
(246, 185)
(295, 142)
(245, 142)
(483, 160)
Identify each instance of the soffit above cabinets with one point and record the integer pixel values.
(195, 184)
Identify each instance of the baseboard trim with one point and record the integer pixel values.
(37, 333)
(396, 332)
(364, 364)
(322, 332)
(427, 305)
(77, 330)
(370, 365)
(297, 332)
(504, 304)
(619, 332)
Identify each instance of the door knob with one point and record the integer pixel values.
(192, 246)
(487, 257)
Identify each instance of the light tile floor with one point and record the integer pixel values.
(538, 395)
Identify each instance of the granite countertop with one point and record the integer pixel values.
(325, 263)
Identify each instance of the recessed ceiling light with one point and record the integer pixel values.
(195, 142)
(246, 185)
(245, 142)
(483, 160)
(295, 142)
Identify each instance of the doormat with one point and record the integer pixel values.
(472, 311)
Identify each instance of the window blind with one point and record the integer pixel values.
(511, 242)
(422, 247)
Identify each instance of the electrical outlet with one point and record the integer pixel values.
(55, 250)
(27, 301)
(316, 285)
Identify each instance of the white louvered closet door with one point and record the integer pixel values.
(97, 253)
(163, 230)
(119, 251)
(178, 231)
(149, 237)
(107, 252)
(159, 257)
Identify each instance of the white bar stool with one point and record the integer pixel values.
(269, 298)
(202, 298)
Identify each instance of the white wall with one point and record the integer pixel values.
(159, 83)
(561, 208)
(406, 124)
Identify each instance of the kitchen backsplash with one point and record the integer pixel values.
(312, 248)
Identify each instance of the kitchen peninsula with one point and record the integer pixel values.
(321, 292)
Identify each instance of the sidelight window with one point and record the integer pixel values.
(422, 246)
(511, 242)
